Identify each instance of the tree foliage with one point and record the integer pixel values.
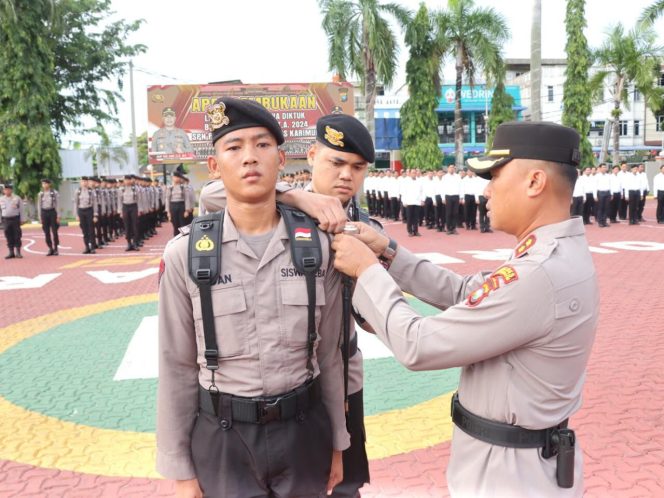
(651, 13)
(61, 64)
(475, 36)
(577, 98)
(501, 110)
(419, 120)
(362, 44)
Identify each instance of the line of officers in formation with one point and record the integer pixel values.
(106, 209)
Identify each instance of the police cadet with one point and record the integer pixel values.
(47, 212)
(128, 206)
(522, 333)
(178, 202)
(191, 197)
(85, 205)
(100, 207)
(250, 398)
(12, 211)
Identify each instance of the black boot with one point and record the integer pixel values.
(50, 251)
(11, 254)
(18, 253)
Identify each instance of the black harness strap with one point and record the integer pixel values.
(307, 257)
(204, 267)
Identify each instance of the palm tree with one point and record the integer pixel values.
(627, 58)
(651, 13)
(475, 35)
(536, 62)
(362, 44)
(104, 154)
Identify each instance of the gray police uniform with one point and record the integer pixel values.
(171, 141)
(47, 211)
(12, 209)
(522, 334)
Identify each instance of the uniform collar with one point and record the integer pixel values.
(275, 247)
(568, 228)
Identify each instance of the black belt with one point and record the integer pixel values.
(10, 218)
(498, 433)
(177, 202)
(47, 209)
(261, 410)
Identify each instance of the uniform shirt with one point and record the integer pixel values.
(632, 182)
(411, 192)
(616, 183)
(190, 197)
(578, 187)
(47, 200)
(429, 187)
(12, 206)
(658, 183)
(522, 334)
(589, 185)
(86, 198)
(603, 182)
(623, 178)
(128, 195)
(178, 193)
(168, 141)
(451, 184)
(480, 186)
(643, 182)
(260, 310)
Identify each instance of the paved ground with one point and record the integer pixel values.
(77, 386)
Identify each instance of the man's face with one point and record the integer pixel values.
(84, 184)
(505, 193)
(8, 192)
(451, 169)
(616, 169)
(623, 167)
(336, 173)
(169, 120)
(603, 168)
(248, 161)
(46, 185)
(586, 171)
(642, 168)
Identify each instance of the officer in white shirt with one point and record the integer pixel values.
(578, 196)
(603, 186)
(616, 194)
(429, 190)
(589, 192)
(633, 188)
(658, 189)
(451, 185)
(644, 188)
(413, 199)
(622, 210)
(440, 205)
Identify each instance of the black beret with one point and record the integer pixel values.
(85, 178)
(129, 177)
(228, 114)
(179, 174)
(347, 134)
(529, 140)
(46, 180)
(9, 185)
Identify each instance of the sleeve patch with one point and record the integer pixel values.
(162, 268)
(501, 277)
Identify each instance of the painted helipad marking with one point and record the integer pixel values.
(122, 277)
(438, 258)
(18, 283)
(490, 255)
(140, 360)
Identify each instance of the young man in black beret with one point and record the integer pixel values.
(48, 205)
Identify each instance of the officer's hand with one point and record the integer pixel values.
(327, 210)
(376, 241)
(188, 489)
(352, 256)
(336, 472)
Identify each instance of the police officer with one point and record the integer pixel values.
(12, 210)
(85, 206)
(169, 139)
(128, 206)
(48, 203)
(178, 202)
(522, 333)
(270, 420)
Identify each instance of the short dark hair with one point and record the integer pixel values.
(568, 173)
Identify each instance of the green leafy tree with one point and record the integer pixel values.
(577, 97)
(628, 58)
(362, 44)
(104, 155)
(28, 148)
(142, 144)
(651, 13)
(419, 120)
(501, 110)
(58, 59)
(475, 35)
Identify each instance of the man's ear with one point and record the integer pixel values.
(537, 181)
(282, 160)
(311, 154)
(213, 167)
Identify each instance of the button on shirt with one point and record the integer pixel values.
(522, 335)
(260, 309)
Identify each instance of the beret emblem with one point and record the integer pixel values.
(216, 114)
(334, 137)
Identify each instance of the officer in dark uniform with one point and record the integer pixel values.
(48, 204)
(12, 210)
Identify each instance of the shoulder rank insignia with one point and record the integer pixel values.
(501, 277)
(216, 114)
(525, 246)
(334, 137)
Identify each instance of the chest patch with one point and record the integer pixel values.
(501, 277)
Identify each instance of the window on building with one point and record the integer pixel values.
(550, 93)
(622, 127)
(661, 79)
(480, 128)
(596, 129)
(660, 122)
(637, 96)
(637, 128)
(445, 129)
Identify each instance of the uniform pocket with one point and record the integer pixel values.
(294, 310)
(228, 306)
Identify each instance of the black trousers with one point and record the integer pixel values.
(603, 200)
(280, 459)
(660, 206)
(429, 212)
(356, 463)
(387, 209)
(588, 208)
(177, 216)
(412, 218)
(440, 213)
(642, 205)
(577, 206)
(49, 221)
(452, 211)
(394, 204)
(470, 210)
(367, 195)
(130, 220)
(13, 232)
(622, 210)
(99, 227)
(616, 197)
(634, 197)
(85, 217)
(485, 222)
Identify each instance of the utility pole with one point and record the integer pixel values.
(134, 140)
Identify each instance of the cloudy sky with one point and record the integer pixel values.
(278, 41)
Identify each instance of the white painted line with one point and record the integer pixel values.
(121, 277)
(140, 359)
(438, 258)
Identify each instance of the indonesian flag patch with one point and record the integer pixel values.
(303, 234)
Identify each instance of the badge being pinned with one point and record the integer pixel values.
(302, 234)
(525, 245)
(334, 137)
(501, 277)
(216, 114)
(204, 244)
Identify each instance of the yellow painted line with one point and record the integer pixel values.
(32, 438)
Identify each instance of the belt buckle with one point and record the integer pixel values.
(269, 411)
